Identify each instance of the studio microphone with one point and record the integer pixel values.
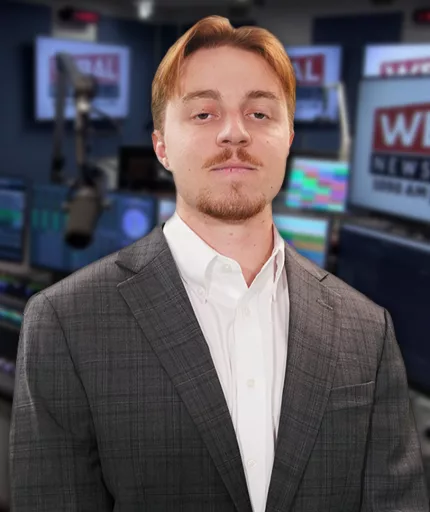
(84, 205)
(84, 210)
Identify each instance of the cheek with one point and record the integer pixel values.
(177, 148)
(274, 149)
(186, 156)
(276, 144)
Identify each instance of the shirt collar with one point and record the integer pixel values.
(194, 257)
(278, 255)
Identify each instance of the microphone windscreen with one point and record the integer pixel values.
(84, 210)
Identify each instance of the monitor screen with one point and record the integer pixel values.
(316, 67)
(128, 218)
(309, 236)
(13, 206)
(390, 169)
(394, 273)
(109, 64)
(139, 169)
(397, 60)
(317, 184)
(166, 208)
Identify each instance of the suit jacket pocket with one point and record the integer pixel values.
(357, 395)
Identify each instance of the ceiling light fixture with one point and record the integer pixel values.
(145, 9)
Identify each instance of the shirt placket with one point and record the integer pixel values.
(251, 397)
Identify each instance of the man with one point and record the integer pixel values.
(209, 367)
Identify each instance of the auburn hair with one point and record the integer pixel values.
(214, 32)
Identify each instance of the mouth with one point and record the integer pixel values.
(234, 169)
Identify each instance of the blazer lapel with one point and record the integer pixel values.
(314, 335)
(157, 298)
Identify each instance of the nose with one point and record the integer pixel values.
(233, 133)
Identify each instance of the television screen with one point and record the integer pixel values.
(13, 207)
(393, 272)
(397, 60)
(317, 184)
(140, 169)
(128, 218)
(316, 67)
(110, 65)
(308, 235)
(391, 160)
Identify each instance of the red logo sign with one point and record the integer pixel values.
(404, 129)
(406, 67)
(309, 69)
(104, 67)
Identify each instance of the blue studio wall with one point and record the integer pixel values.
(26, 145)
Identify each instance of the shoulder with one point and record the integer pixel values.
(357, 310)
(83, 287)
(86, 288)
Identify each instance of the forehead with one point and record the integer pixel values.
(231, 71)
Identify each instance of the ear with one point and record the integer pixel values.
(160, 148)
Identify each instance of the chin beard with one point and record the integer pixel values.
(233, 207)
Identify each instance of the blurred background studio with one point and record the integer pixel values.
(79, 178)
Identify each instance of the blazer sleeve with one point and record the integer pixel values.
(394, 477)
(54, 462)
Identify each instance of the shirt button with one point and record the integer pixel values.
(246, 311)
(252, 463)
(250, 383)
(226, 268)
(200, 292)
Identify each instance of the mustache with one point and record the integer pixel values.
(227, 155)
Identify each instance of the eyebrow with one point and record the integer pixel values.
(216, 95)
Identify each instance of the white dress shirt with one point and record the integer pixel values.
(246, 330)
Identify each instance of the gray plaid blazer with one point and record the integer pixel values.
(118, 406)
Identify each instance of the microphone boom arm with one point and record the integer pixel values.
(344, 123)
(84, 87)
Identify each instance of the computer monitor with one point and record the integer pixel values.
(108, 64)
(13, 208)
(308, 235)
(166, 208)
(393, 272)
(317, 184)
(388, 60)
(128, 218)
(315, 68)
(390, 168)
(139, 169)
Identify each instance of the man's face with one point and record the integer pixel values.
(230, 111)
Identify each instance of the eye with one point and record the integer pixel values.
(202, 116)
(259, 115)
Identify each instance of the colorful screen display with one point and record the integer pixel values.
(318, 185)
(309, 236)
(13, 204)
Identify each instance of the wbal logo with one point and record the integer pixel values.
(309, 69)
(401, 145)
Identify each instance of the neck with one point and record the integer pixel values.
(250, 242)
